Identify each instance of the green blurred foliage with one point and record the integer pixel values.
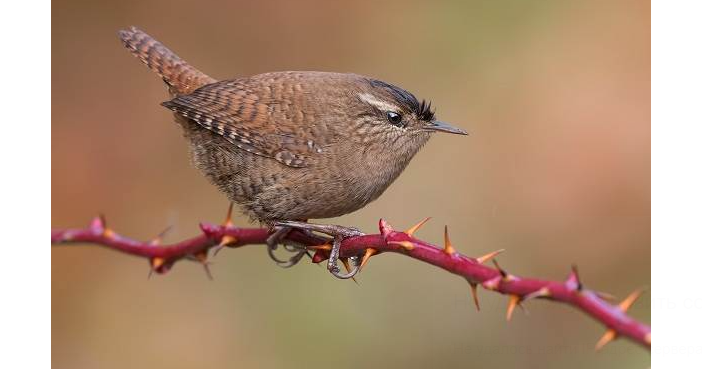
(556, 95)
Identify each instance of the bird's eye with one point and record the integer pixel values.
(395, 119)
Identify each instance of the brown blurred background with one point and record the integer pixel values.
(556, 95)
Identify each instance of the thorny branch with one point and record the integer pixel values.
(473, 269)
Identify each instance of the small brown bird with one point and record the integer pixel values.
(292, 146)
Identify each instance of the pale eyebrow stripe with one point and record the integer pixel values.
(381, 105)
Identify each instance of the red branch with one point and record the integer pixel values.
(519, 289)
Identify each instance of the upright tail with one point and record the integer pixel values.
(181, 77)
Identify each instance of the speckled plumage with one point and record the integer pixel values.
(290, 145)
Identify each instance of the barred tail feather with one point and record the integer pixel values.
(181, 77)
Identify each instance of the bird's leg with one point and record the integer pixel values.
(272, 243)
(339, 233)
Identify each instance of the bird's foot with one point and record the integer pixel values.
(272, 243)
(339, 233)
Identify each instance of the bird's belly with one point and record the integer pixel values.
(268, 191)
(314, 196)
(328, 194)
(328, 190)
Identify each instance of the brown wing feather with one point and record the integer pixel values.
(245, 113)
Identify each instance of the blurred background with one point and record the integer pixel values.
(555, 94)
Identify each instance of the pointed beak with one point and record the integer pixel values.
(444, 127)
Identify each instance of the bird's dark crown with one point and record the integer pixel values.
(405, 98)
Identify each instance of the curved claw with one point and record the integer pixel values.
(338, 232)
(272, 243)
(287, 263)
(334, 269)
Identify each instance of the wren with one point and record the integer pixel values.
(292, 146)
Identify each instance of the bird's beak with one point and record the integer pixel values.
(444, 127)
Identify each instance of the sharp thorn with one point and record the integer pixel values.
(474, 292)
(228, 220)
(366, 256)
(227, 240)
(106, 231)
(606, 338)
(605, 296)
(216, 249)
(164, 232)
(630, 300)
(513, 302)
(573, 280)
(201, 257)
(206, 265)
(155, 264)
(448, 247)
(347, 266)
(499, 269)
(415, 228)
(159, 238)
(489, 256)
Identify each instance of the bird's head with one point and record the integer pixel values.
(393, 117)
